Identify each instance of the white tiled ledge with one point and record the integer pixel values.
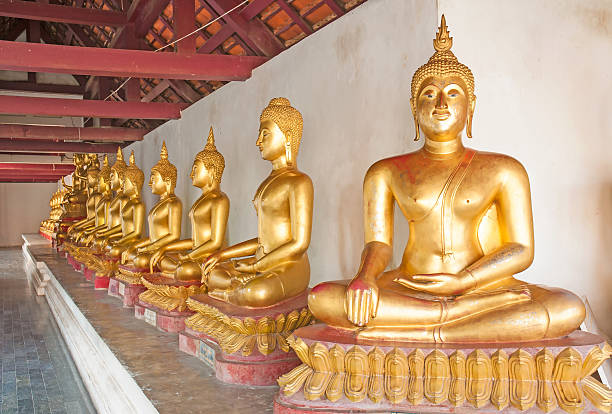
(111, 387)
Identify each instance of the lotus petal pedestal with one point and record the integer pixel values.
(245, 346)
(341, 373)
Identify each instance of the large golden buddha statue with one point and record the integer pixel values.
(471, 231)
(208, 217)
(276, 266)
(164, 218)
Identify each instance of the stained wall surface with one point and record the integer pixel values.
(22, 207)
(541, 86)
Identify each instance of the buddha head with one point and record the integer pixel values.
(280, 131)
(94, 162)
(134, 178)
(163, 174)
(92, 176)
(208, 165)
(104, 176)
(442, 91)
(118, 171)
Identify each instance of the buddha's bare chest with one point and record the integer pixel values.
(273, 201)
(463, 192)
(200, 214)
(159, 214)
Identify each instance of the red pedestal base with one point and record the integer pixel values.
(78, 266)
(256, 369)
(171, 322)
(127, 292)
(101, 282)
(89, 274)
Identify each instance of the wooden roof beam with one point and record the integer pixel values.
(63, 14)
(42, 168)
(89, 108)
(55, 133)
(31, 57)
(16, 145)
(27, 86)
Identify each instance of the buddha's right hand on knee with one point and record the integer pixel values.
(208, 265)
(361, 302)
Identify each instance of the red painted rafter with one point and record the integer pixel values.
(57, 13)
(184, 23)
(254, 8)
(89, 108)
(40, 87)
(53, 133)
(40, 168)
(16, 145)
(254, 32)
(124, 63)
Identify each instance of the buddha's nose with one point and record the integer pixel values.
(441, 102)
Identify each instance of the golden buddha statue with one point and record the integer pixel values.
(164, 218)
(132, 222)
(471, 231)
(277, 267)
(208, 217)
(84, 237)
(74, 200)
(93, 196)
(113, 221)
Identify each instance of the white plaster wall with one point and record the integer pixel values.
(22, 207)
(543, 84)
(542, 80)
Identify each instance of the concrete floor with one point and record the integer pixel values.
(174, 381)
(37, 374)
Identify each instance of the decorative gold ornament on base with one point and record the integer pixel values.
(244, 334)
(168, 295)
(542, 374)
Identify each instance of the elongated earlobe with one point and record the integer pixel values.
(288, 155)
(417, 132)
(468, 128)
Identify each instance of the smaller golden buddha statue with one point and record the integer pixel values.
(74, 201)
(180, 260)
(113, 221)
(85, 237)
(164, 218)
(132, 222)
(93, 196)
(208, 217)
(276, 267)
(264, 280)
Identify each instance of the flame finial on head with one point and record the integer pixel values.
(132, 158)
(163, 154)
(443, 42)
(210, 142)
(119, 154)
(105, 162)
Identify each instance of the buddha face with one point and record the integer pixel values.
(102, 185)
(115, 181)
(200, 175)
(158, 184)
(271, 141)
(128, 187)
(92, 181)
(442, 108)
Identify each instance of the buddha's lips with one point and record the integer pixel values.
(441, 115)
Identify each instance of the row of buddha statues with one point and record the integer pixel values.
(469, 214)
(68, 202)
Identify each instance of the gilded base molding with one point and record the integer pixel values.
(167, 296)
(244, 334)
(132, 277)
(524, 378)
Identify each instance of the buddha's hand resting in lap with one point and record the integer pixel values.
(208, 265)
(439, 284)
(184, 257)
(245, 266)
(361, 302)
(155, 259)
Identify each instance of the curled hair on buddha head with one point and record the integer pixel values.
(443, 64)
(119, 166)
(164, 168)
(211, 158)
(134, 174)
(288, 119)
(105, 171)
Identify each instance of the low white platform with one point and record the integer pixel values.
(110, 385)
